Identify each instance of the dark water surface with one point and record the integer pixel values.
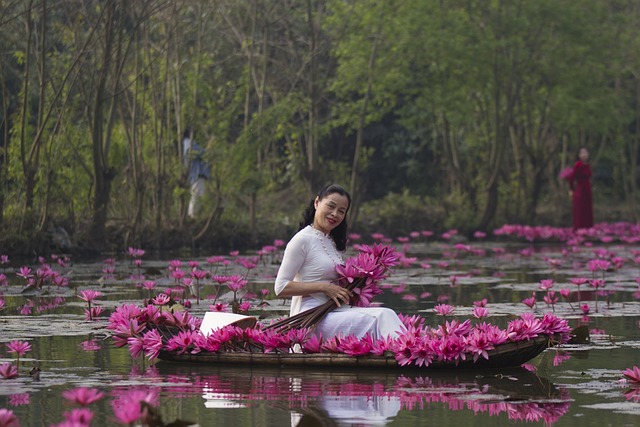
(576, 385)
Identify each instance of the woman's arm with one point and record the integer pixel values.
(337, 293)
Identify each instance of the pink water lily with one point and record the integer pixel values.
(83, 396)
(632, 374)
(480, 312)
(185, 342)
(18, 347)
(79, 417)
(313, 344)
(127, 407)
(236, 283)
(8, 371)
(8, 418)
(530, 302)
(134, 252)
(123, 330)
(25, 272)
(161, 299)
(479, 344)
(444, 309)
(546, 284)
(92, 313)
(354, 346)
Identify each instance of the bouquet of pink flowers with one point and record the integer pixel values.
(566, 173)
(360, 274)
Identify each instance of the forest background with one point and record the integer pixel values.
(434, 114)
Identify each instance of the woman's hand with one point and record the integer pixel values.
(337, 293)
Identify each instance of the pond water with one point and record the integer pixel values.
(573, 385)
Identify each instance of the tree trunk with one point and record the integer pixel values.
(357, 152)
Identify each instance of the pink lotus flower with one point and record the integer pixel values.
(178, 274)
(598, 265)
(578, 280)
(149, 284)
(632, 374)
(385, 255)
(93, 312)
(525, 328)
(199, 274)
(480, 303)
(127, 406)
(531, 301)
(135, 253)
(546, 284)
(8, 418)
(161, 299)
(175, 264)
(79, 417)
(221, 279)
(125, 329)
(20, 399)
(479, 344)
(19, 347)
(136, 346)
(89, 295)
(480, 312)
(24, 272)
(444, 309)
(83, 396)
(244, 306)
(215, 259)
(185, 341)
(219, 307)
(90, 345)
(236, 283)
(8, 371)
(354, 346)
(551, 298)
(313, 344)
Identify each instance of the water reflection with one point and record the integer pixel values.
(325, 398)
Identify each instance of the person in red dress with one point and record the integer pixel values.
(580, 191)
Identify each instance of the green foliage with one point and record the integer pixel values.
(398, 214)
(449, 100)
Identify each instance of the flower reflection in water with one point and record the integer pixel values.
(368, 399)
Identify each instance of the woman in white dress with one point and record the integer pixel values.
(308, 271)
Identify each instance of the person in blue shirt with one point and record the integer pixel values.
(199, 170)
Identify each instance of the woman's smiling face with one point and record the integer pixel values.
(330, 212)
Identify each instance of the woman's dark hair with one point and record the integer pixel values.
(338, 234)
(187, 132)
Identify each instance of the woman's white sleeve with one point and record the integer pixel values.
(292, 260)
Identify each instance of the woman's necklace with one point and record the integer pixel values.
(335, 256)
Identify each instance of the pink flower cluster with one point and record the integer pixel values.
(367, 268)
(623, 231)
(419, 345)
(139, 328)
(7, 369)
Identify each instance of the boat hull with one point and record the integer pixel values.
(506, 355)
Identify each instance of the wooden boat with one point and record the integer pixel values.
(507, 355)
